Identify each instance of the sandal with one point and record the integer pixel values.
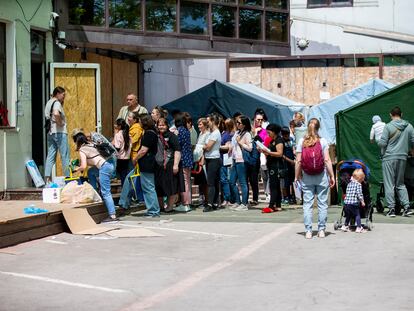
(277, 209)
(360, 230)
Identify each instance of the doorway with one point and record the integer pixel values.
(37, 40)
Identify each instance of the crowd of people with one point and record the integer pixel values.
(158, 161)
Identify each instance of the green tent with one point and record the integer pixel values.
(353, 127)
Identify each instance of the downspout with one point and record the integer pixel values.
(5, 159)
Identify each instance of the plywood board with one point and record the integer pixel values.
(80, 102)
(106, 91)
(124, 81)
(80, 222)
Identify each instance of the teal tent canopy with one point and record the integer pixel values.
(353, 127)
(228, 99)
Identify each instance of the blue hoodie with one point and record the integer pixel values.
(397, 139)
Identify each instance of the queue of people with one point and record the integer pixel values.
(157, 162)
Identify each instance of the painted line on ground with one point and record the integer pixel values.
(179, 230)
(56, 281)
(180, 287)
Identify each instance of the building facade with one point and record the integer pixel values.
(335, 46)
(26, 47)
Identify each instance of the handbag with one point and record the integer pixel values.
(48, 121)
(197, 168)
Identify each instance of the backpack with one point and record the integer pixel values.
(313, 162)
(104, 147)
(252, 156)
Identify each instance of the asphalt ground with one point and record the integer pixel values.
(221, 260)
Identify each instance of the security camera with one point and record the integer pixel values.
(54, 15)
(62, 45)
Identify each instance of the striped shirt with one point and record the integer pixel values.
(353, 193)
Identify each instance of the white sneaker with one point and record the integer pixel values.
(241, 208)
(182, 208)
(308, 235)
(321, 233)
(233, 206)
(344, 228)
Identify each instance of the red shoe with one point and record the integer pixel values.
(267, 210)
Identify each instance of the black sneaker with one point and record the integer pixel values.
(391, 213)
(207, 208)
(407, 212)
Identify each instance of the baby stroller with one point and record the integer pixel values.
(344, 173)
(409, 183)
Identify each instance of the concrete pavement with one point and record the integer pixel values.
(237, 263)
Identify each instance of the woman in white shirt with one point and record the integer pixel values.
(213, 162)
(242, 140)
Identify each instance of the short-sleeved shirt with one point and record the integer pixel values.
(186, 149)
(54, 128)
(214, 152)
(274, 162)
(172, 144)
(123, 112)
(320, 179)
(147, 162)
(119, 144)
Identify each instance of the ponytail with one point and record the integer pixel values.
(312, 135)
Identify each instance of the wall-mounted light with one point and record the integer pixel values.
(302, 43)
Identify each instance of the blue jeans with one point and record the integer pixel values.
(150, 195)
(309, 192)
(57, 141)
(225, 185)
(238, 173)
(128, 191)
(104, 174)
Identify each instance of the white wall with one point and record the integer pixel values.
(326, 28)
(171, 79)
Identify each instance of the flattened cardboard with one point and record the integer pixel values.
(80, 222)
(134, 233)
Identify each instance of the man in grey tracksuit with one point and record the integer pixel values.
(397, 140)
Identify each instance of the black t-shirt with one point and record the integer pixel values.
(147, 162)
(273, 162)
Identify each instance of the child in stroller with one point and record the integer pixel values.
(346, 170)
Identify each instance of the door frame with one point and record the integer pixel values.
(97, 68)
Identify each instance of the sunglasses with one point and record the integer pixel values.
(259, 120)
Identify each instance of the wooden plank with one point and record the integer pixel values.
(124, 81)
(32, 234)
(106, 91)
(72, 56)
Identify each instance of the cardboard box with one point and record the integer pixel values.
(51, 195)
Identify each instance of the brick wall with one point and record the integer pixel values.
(397, 75)
(246, 72)
(304, 84)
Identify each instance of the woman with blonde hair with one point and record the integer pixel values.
(314, 172)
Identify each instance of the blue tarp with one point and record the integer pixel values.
(325, 112)
(227, 99)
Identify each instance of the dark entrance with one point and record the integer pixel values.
(38, 97)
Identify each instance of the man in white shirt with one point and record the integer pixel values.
(57, 136)
(132, 106)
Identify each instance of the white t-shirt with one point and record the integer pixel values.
(376, 131)
(54, 128)
(214, 152)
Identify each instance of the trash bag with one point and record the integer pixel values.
(75, 193)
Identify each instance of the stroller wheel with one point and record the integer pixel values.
(336, 225)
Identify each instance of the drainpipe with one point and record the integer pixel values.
(5, 159)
